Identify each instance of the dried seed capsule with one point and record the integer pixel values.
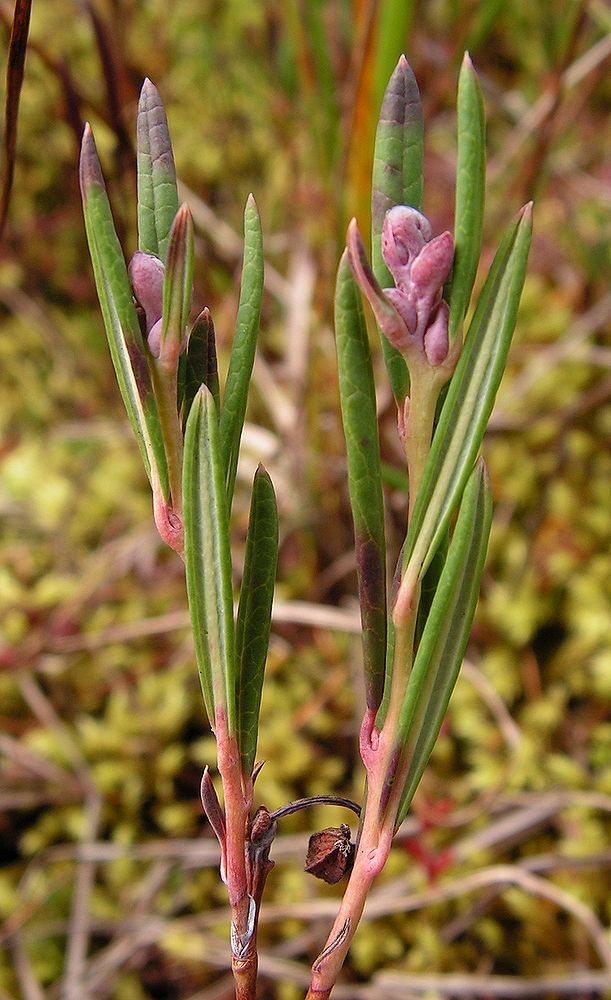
(330, 854)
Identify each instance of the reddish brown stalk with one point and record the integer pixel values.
(243, 906)
(378, 748)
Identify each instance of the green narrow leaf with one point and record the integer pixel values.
(119, 313)
(208, 561)
(446, 633)
(255, 613)
(177, 282)
(157, 190)
(470, 398)
(470, 193)
(428, 590)
(198, 364)
(359, 415)
(397, 180)
(244, 345)
(387, 317)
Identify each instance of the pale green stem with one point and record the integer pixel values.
(425, 387)
(164, 378)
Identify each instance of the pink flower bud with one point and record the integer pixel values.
(429, 273)
(404, 233)
(433, 264)
(154, 338)
(146, 274)
(407, 311)
(436, 338)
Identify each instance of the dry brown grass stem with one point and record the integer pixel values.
(529, 120)
(227, 242)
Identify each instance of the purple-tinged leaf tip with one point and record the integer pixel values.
(389, 320)
(179, 233)
(152, 128)
(149, 96)
(526, 211)
(178, 286)
(90, 171)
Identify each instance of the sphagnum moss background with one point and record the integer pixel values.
(108, 877)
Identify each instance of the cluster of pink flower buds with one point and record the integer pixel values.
(420, 267)
(412, 315)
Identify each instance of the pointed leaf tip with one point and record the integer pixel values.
(244, 343)
(90, 171)
(148, 94)
(157, 191)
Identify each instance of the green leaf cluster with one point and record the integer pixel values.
(188, 435)
(453, 479)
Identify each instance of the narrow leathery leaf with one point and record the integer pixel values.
(199, 365)
(15, 67)
(157, 190)
(470, 398)
(470, 192)
(446, 633)
(397, 180)
(177, 285)
(359, 415)
(216, 817)
(398, 156)
(244, 345)
(390, 654)
(430, 581)
(120, 318)
(255, 613)
(388, 319)
(208, 560)
(212, 806)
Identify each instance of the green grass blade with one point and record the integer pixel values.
(397, 180)
(244, 345)
(488, 14)
(157, 191)
(394, 19)
(120, 319)
(470, 398)
(470, 193)
(359, 415)
(255, 613)
(198, 364)
(444, 640)
(208, 561)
